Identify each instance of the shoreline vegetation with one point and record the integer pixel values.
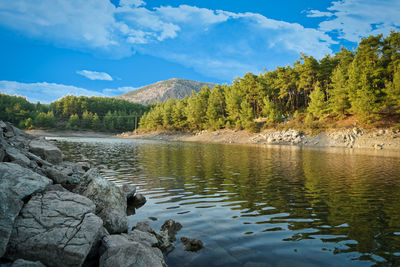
(361, 85)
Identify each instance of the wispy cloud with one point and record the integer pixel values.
(94, 75)
(353, 19)
(318, 14)
(118, 91)
(43, 91)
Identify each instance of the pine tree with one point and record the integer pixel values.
(338, 95)
(95, 122)
(317, 105)
(73, 122)
(270, 111)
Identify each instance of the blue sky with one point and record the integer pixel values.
(51, 48)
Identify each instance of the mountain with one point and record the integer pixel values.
(163, 90)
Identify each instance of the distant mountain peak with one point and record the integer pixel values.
(163, 90)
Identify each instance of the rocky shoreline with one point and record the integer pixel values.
(58, 213)
(375, 139)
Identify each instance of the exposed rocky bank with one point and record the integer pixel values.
(378, 139)
(58, 213)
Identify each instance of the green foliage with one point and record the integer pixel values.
(92, 110)
(271, 111)
(338, 95)
(28, 124)
(317, 105)
(96, 123)
(73, 122)
(87, 119)
(44, 119)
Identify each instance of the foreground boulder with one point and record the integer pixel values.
(56, 228)
(16, 184)
(110, 200)
(46, 150)
(131, 250)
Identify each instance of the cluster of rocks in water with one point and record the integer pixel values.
(58, 213)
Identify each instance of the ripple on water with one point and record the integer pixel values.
(253, 205)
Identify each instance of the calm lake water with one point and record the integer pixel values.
(259, 206)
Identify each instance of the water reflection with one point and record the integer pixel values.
(279, 206)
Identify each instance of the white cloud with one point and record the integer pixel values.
(94, 75)
(353, 19)
(119, 90)
(318, 14)
(192, 14)
(215, 43)
(134, 3)
(43, 91)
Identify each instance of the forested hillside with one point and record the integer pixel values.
(71, 112)
(364, 83)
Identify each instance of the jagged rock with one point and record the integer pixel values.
(139, 200)
(38, 160)
(192, 244)
(15, 156)
(92, 259)
(84, 166)
(16, 184)
(55, 187)
(171, 227)
(142, 237)
(167, 233)
(120, 250)
(56, 228)
(25, 263)
(129, 191)
(61, 175)
(144, 227)
(109, 199)
(46, 150)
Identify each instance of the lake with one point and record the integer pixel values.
(259, 206)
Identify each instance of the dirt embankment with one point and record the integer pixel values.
(387, 139)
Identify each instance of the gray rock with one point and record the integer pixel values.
(168, 232)
(56, 228)
(92, 259)
(120, 250)
(129, 191)
(62, 175)
(84, 166)
(16, 183)
(39, 161)
(109, 199)
(139, 200)
(144, 227)
(55, 187)
(2, 153)
(142, 237)
(17, 157)
(192, 244)
(46, 150)
(25, 263)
